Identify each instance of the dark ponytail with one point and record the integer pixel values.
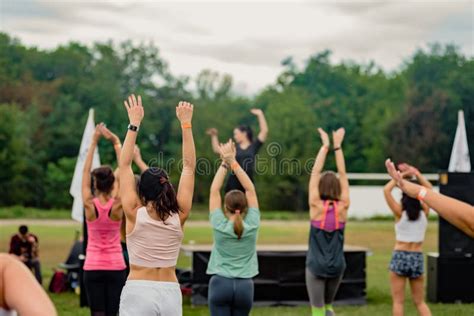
(412, 207)
(154, 187)
(247, 130)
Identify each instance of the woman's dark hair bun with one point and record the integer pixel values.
(104, 179)
(154, 187)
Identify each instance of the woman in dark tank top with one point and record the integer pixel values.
(328, 204)
(247, 148)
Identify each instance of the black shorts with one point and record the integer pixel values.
(407, 263)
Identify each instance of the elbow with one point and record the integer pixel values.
(251, 189)
(215, 190)
(124, 162)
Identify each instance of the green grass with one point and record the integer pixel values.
(55, 242)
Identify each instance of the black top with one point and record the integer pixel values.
(246, 159)
(325, 257)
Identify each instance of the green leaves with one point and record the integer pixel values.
(45, 95)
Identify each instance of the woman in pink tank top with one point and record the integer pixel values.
(155, 215)
(104, 267)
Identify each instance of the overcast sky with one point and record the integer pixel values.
(248, 39)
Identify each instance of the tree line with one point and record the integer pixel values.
(409, 114)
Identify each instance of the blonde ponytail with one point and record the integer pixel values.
(238, 224)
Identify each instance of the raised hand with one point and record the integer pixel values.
(211, 131)
(408, 170)
(97, 133)
(324, 137)
(134, 109)
(394, 173)
(228, 151)
(256, 112)
(338, 137)
(109, 135)
(184, 112)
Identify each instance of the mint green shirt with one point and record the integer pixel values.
(232, 257)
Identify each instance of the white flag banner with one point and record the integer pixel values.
(460, 160)
(76, 184)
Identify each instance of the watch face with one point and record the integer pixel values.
(132, 127)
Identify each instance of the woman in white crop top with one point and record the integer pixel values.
(155, 215)
(411, 217)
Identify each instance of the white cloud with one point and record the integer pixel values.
(246, 39)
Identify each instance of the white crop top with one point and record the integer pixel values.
(411, 231)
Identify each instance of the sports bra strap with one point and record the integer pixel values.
(322, 223)
(336, 214)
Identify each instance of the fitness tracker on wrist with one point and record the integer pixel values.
(133, 128)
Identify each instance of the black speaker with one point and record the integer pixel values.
(452, 241)
(281, 278)
(450, 279)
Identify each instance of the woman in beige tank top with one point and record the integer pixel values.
(155, 215)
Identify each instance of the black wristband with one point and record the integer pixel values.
(337, 148)
(223, 164)
(133, 128)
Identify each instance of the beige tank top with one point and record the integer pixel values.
(154, 243)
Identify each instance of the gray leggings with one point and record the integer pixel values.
(321, 291)
(230, 297)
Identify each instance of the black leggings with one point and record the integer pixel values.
(230, 297)
(103, 291)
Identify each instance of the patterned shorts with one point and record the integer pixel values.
(407, 263)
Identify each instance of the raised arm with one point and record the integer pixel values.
(137, 159)
(111, 137)
(20, 291)
(184, 112)
(86, 176)
(215, 200)
(313, 190)
(128, 191)
(262, 122)
(458, 213)
(214, 139)
(228, 152)
(412, 171)
(338, 137)
(394, 206)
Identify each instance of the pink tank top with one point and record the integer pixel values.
(154, 243)
(330, 220)
(104, 251)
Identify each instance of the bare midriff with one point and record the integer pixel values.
(167, 274)
(408, 246)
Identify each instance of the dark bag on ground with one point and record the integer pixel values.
(58, 282)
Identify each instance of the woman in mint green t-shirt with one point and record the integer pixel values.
(233, 261)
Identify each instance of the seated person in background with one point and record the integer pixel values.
(20, 294)
(25, 246)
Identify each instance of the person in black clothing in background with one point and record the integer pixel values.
(24, 245)
(247, 148)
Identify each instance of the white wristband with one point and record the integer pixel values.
(422, 194)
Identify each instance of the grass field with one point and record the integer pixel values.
(56, 239)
